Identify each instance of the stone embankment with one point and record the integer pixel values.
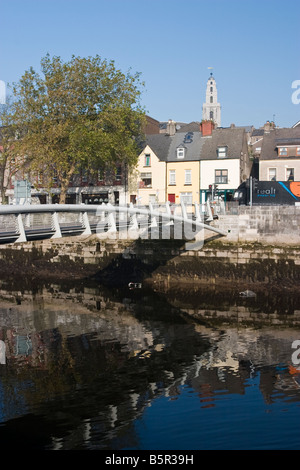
(262, 247)
(156, 262)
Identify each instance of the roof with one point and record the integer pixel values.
(191, 127)
(233, 138)
(282, 136)
(191, 141)
(258, 132)
(160, 144)
(197, 147)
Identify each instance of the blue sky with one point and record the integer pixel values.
(253, 47)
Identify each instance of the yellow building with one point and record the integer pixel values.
(168, 168)
(183, 182)
(183, 165)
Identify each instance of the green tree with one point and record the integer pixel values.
(80, 114)
(9, 162)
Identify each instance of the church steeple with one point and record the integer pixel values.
(211, 109)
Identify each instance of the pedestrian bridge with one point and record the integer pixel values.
(22, 223)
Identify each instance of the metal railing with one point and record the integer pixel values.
(21, 223)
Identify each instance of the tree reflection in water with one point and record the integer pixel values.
(84, 363)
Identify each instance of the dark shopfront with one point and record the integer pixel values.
(225, 194)
(101, 198)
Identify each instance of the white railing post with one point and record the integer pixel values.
(112, 223)
(209, 211)
(183, 210)
(197, 213)
(86, 224)
(55, 226)
(20, 229)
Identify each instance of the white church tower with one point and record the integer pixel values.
(211, 109)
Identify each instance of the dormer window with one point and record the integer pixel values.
(180, 152)
(222, 152)
(282, 151)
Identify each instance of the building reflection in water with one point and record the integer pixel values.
(90, 361)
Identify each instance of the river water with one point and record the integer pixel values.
(84, 367)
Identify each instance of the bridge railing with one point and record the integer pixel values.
(19, 223)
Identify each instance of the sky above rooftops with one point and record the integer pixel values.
(253, 48)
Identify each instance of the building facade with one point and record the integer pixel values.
(280, 155)
(193, 164)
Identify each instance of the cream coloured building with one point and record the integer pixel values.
(183, 165)
(147, 183)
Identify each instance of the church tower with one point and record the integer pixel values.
(211, 109)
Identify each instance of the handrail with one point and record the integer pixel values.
(99, 209)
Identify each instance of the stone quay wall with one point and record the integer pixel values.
(263, 224)
(262, 247)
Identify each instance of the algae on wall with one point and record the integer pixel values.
(217, 262)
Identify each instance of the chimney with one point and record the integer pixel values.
(206, 127)
(171, 127)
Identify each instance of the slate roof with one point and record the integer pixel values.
(191, 141)
(160, 144)
(197, 147)
(233, 138)
(282, 136)
(258, 132)
(191, 127)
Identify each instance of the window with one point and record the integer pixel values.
(290, 174)
(147, 159)
(211, 115)
(40, 177)
(272, 174)
(186, 198)
(180, 152)
(211, 99)
(172, 177)
(118, 173)
(54, 176)
(84, 176)
(188, 177)
(221, 176)
(211, 89)
(298, 152)
(283, 151)
(100, 174)
(222, 152)
(146, 180)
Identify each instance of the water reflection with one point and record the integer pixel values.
(84, 365)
